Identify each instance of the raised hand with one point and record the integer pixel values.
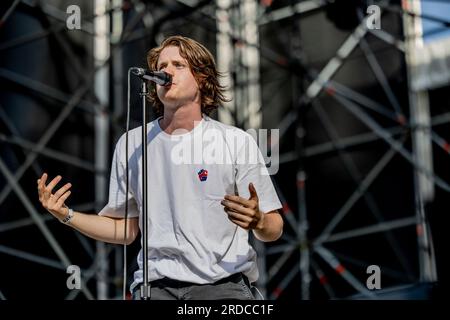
(244, 212)
(54, 203)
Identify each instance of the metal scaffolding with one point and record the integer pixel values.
(310, 255)
(416, 127)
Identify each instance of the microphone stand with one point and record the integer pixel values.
(145, 286)
(160, 78)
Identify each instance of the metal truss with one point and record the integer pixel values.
(235, 25)
(313, 249)
(89, 97)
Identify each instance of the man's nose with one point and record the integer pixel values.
(169, 72)
(169, 69)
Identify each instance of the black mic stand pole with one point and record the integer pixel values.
(145, 286)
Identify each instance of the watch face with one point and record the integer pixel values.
(68, 217)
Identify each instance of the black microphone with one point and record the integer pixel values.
(160, 77)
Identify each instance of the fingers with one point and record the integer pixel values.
(42, 180)
(244, 217)
(48, 189)
(237, 207)
(60, 203)
(41, 185)
(244, 225)
(253, 194)
(239, 200)
(238, 216)
(242, 212)
(53, 202)
(61, 191)
(241, 220)
(251, 203)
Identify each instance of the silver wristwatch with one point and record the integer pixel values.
(67, 218)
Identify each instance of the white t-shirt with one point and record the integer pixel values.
(190, 237)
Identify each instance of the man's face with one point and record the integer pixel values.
(184, 88)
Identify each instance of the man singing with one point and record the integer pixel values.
(204, 191)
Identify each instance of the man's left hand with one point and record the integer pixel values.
(245, 213)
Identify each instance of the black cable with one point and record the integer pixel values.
(126, 191)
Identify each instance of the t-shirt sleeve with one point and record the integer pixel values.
(115, 207)
(251, 168)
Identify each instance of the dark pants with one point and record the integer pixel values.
(234, 287)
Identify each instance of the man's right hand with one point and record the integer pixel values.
(54, 203)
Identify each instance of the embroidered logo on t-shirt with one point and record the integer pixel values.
(203, 174)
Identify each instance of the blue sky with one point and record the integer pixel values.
(440, 9)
